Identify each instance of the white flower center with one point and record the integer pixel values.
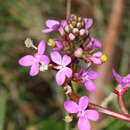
(43, 67)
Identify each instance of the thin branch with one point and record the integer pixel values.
(68, 8)
(121, 104)
(104, 110)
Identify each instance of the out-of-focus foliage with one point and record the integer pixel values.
(36, 103)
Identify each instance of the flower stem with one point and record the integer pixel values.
(104, 110)
(121, 104)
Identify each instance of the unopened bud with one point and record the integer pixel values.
(75, 31)
(79, 25)
(82, 32)
(71, 36)
(79, 19)
(73, 23)
(71, 26)
(28, 42)
(67, 29)
(68, 119)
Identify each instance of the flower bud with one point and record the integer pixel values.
(28, 42)
(71, 36)
(68, 119)
(67, 29)
(75, 31)
(82, 32)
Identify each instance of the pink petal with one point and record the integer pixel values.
(96, 43)
(56, 57)
(96, 60)
(41, 47)
(67, 71)
(44, 59)
(126, 80)
(90, 86)
(93, 75)
(83, 124)
(71, 107)
(97, 54)
(47, 30)
(61, 29)
(66, 60)
(88, 23)
(92, 114)
(26, 60)
(117, 76)
(34, 69)
(83, 103)
(60, 77)
(51, 23)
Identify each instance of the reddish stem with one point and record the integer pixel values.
(121, 104)
(104, 110)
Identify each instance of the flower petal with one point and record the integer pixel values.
(66, 60)
(97, 54)
(83, 124)
(83, 103)
(41, 47)
(88, 22)
(47, 30)
(117, 76)
(90, 86)
(60, 77)
(26, 60)
(93, 75)
(96, 43)
(63, 24)
(92, 114)
(56, 57)
(34, 69)
(51, 23)
(126, 80)
(71, 106)
(67, 71)
(44, 59)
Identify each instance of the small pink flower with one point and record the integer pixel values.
(36, 60)
(93, 44)
(123, 81)
(88, 23)
(96, 58)
(62, 63)
(52, 26)
(87, 77)
(81, 112)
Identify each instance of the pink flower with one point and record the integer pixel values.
(62, 63)
(93, 44)
(36, 60)
(88, 23)
(52, 26)
(87, 77)
(96, 58)
(83, 114)
(123, 81)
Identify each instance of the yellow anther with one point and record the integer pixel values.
(51, 43)
(104, 58)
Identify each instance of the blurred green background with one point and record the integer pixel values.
(36, 103)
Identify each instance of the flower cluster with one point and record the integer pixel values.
(75, 45)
